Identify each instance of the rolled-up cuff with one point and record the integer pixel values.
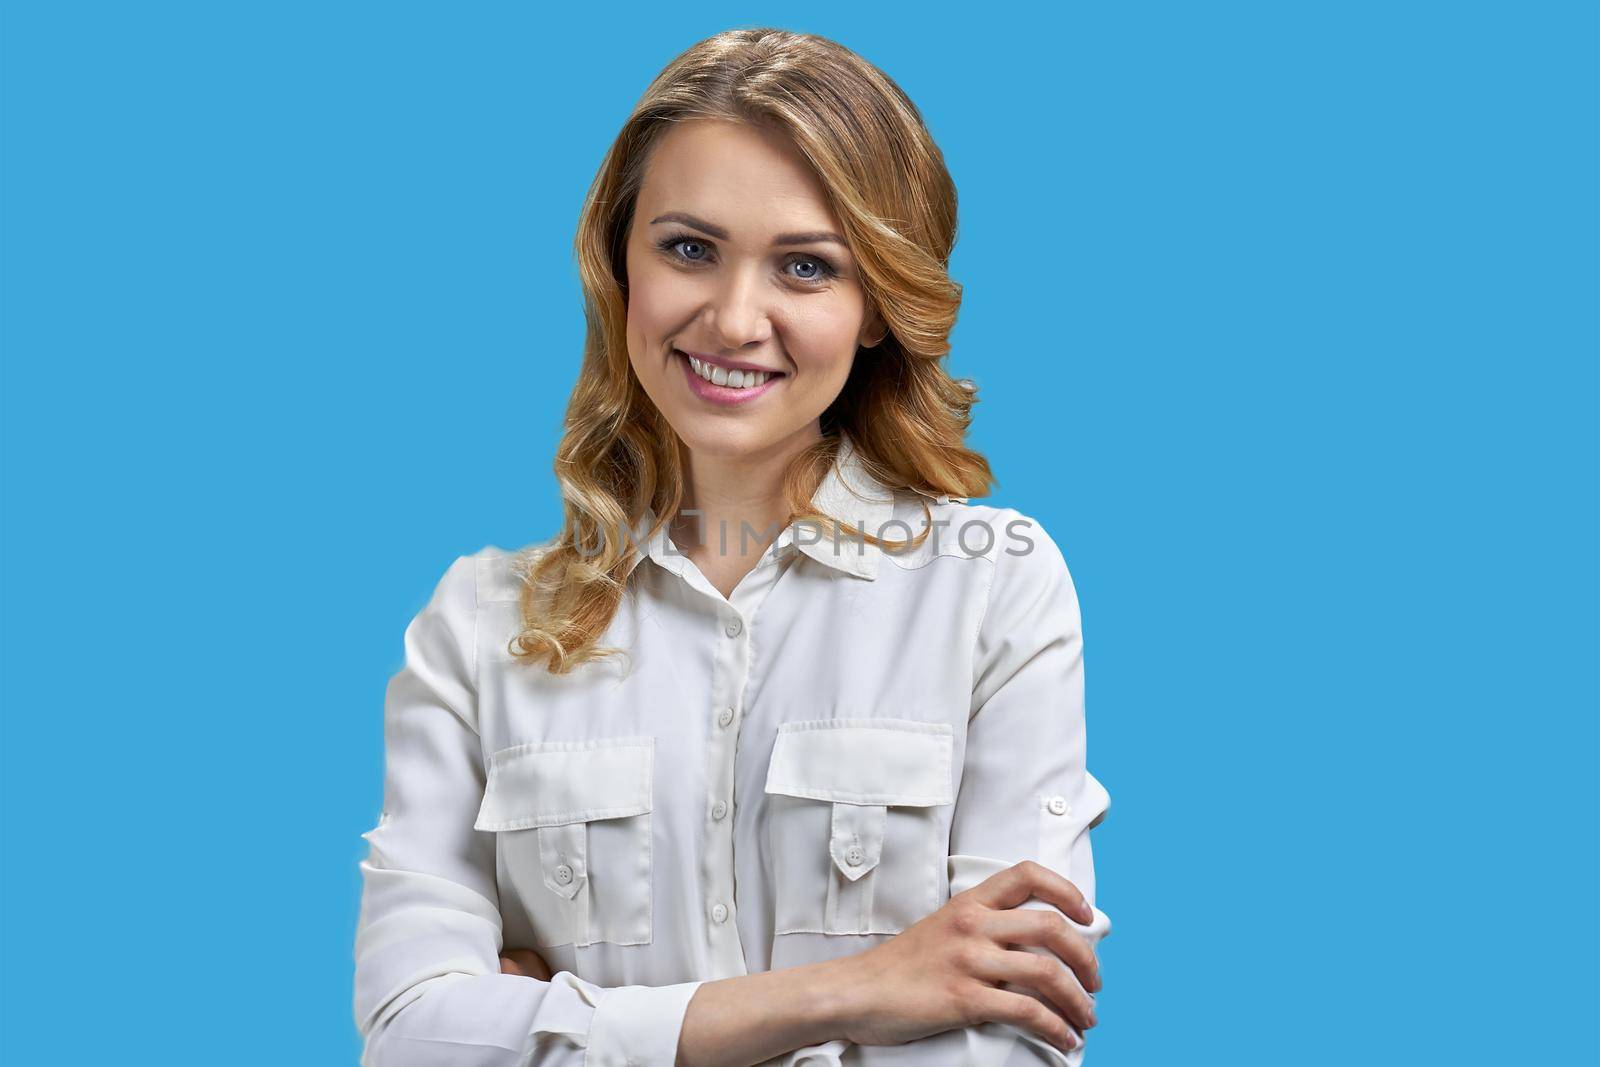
(638, 1025)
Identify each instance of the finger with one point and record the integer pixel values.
(515, 961)
(1010, 887)
(1047, 929)
(1020, 1010)
(525, 962)
(1042, 974)
(535, 965)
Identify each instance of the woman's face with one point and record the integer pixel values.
(729, 261)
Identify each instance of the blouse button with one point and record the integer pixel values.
(563, 874)
(726, 716)
(1058, 805)
(853, 856)
(734, 626)
(720, 913)
(718, 810)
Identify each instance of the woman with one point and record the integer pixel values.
(776, 751)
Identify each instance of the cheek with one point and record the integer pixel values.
(656, 308)
(650, 300)
(823, 340)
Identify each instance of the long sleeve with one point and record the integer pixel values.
(428, 987)
(1026, 792)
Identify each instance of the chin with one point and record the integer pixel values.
(730, 439)
(736, 439)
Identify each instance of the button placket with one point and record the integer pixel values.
(732, 665)
(731, 658)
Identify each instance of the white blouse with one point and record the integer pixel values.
(787, 775)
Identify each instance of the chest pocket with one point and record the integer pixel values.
(572, 831)
(858, 817)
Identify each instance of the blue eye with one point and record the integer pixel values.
(823, 270)
(819, 269)
(669, 242)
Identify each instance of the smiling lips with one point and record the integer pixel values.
(721, 385)
(719, 375)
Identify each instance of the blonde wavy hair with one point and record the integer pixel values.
(887, 182)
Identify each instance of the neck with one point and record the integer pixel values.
(735, 503)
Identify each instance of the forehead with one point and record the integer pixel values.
(753, 182)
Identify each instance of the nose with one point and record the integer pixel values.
(737, 314)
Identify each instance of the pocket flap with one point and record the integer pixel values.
(857, 842)
(864, 761)
(552, 783)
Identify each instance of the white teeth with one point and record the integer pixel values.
(735, 379)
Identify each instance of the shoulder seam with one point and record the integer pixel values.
(917, 560)
(988, 602)
(477, 566)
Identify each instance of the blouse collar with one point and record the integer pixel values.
(848, 492)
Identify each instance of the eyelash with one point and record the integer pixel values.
(828, 271)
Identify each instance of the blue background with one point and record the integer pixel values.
(1285, 322)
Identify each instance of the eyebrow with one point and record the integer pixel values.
(720, 234)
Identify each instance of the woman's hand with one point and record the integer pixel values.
(945, 971)
(526, 962)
